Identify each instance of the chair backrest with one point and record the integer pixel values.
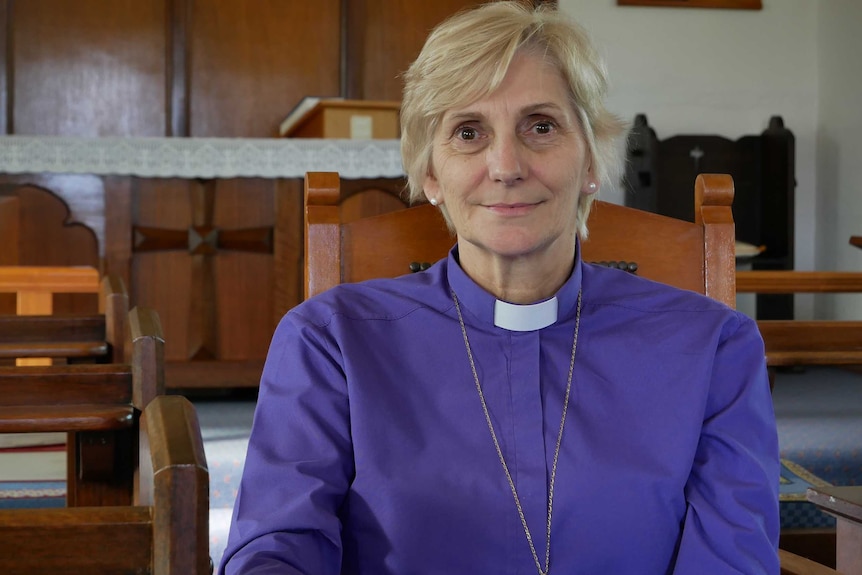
(35, 336)
(163, 532)
(98, 404)
(698, 255)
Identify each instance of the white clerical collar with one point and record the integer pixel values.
(528, 317)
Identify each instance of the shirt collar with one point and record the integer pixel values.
(512, 317)
(525, 317)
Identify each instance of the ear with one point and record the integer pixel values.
(431, 186)
(591, 184)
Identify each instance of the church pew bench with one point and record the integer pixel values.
(50, 338)
(163, 531)
(799, 343)
(36, 336)
(98, 404)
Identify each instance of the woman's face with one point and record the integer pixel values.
(509, 168)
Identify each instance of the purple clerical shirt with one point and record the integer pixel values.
(370, 453)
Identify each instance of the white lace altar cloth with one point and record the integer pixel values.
(200, 157)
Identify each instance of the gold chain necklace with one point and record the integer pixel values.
(500, 451)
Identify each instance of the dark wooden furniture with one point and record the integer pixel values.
(337, 250)
(164, 531)
(98, 404)
(660, 173)
(856, 241)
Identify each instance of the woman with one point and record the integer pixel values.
(511, 409)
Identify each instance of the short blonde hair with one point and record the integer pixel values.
(466, 58)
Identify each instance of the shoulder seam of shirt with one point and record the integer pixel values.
(347, 315)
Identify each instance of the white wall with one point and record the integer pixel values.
(839, 147)
(723, 72)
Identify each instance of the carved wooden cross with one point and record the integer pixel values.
(696, 154)
(203, 241)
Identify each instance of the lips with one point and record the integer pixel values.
(513, 209)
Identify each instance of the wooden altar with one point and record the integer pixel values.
(207, 231)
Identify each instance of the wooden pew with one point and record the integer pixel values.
(98, 403)
(163, 532)
(819, 342)
(34, 336)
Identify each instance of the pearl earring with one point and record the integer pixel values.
(592, 186)
(432, 201)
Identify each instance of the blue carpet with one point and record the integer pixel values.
(819, 415)
(818, 412)
(225, 426)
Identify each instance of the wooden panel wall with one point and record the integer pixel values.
(215, 68)
(384, 38)
(252, 61)
(201, 68)
(86, 68)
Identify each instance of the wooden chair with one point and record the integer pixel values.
(98, 404)
(164, 531)
(697, 255)
(338, 251)
(36, 336)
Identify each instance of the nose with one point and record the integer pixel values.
(506, 163)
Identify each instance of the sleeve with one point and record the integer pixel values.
(732, 520)
(299, 462)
